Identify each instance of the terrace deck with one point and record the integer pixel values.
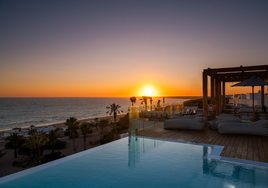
(248, 147)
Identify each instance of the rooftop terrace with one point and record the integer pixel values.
(247, 147)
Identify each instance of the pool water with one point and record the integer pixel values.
(141, 162)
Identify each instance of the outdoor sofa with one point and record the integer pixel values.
(215, 123)
(256, 128)
(190, 123)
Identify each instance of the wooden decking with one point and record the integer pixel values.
(254, 148)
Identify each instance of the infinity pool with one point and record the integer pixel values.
(141, 162)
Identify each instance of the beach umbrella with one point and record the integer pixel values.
(252, 81)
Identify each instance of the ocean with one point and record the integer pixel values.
(23, 112)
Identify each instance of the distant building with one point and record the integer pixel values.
(247, 99)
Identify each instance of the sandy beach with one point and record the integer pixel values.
(7, 168)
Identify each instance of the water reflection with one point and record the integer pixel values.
(137, 147)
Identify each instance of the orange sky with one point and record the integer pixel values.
(112, 49)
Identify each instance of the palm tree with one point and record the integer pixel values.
(132, 100)
(103, 124)
(86, 128)
(144, 100)
(53, 136)
(15, 139)
(35, 142)
(114, 109)
(73, 127)
(96, 122)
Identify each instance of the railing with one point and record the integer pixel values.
(148, 115)
(247, 102)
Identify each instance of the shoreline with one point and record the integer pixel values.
(61, 124)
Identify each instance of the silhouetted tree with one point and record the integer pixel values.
(15, 139)
(132, 100)
(53, 136)
(86, 128)
(103, 124)
(34, 143)
(114, 109)
(96, 123)
(73, 126)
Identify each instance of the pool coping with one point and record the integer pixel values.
(214, 155)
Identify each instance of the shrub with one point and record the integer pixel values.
(52, 157)
(25, 151)
(107, 137)
(24, 164)
(15, 163)
(59, 144)
(67, 133)
(10, 144)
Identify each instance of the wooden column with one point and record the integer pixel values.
(205, 95)
(267, 86)
(212, 91)
(223, 96)
(220, 99)
(262, 95)
(217, 96)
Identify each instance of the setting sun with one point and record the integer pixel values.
(148, 92)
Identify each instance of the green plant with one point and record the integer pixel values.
(26, 151)
(52, 137)
(133, 100)
(14, 138)
(52, 157)
(107, 136)
(122, 125)
(73, 126)
(114, 110)
(35, 144)
(59, 144)
(86, 128)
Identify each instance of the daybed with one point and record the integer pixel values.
(215, 124)
(256, 128)
(197, 123)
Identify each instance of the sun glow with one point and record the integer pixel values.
(148, 92)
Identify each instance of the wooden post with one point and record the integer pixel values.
(267, 87)
(205, 95)
(253, 103)
(262, 95)
(212, 91)
(223, 96)
(220, 98)
(216, 97)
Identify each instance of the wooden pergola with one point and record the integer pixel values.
(222, 75)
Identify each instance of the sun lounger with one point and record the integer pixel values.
(197, 123)
(214, 124)
(256, 128)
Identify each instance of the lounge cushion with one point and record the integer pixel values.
(185, 123)
(255, 128)
(188, 116)
(215, 124)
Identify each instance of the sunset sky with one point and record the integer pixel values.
(120, 48)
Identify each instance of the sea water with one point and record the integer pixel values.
(23, 112)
